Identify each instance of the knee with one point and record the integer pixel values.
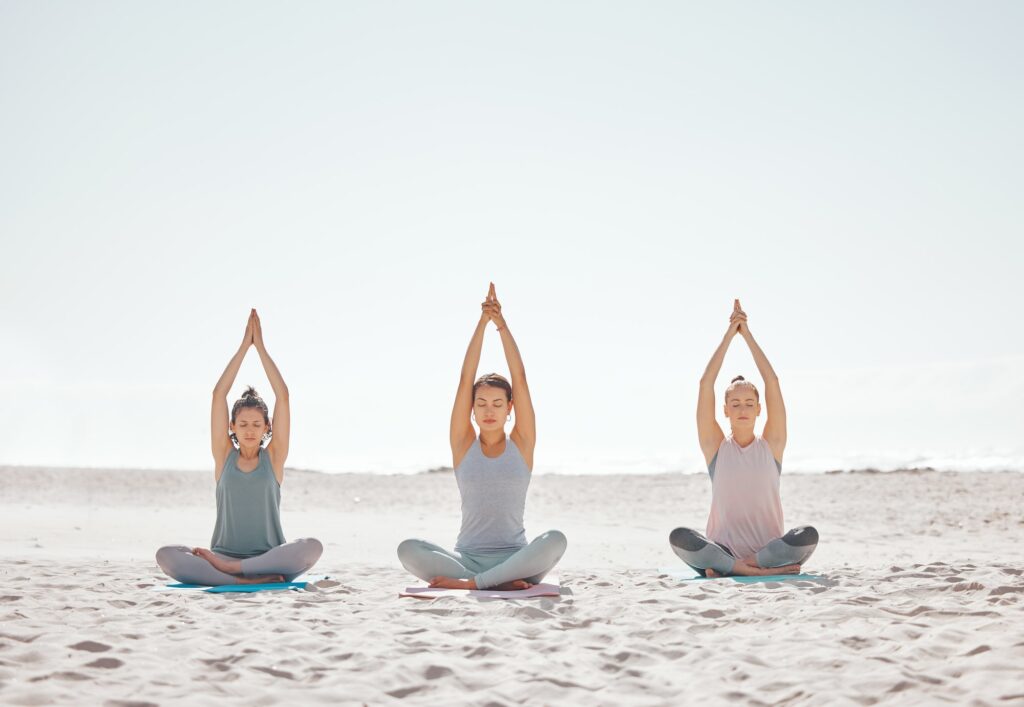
(686, 539)
(165, 556)
(556, 540)
(408, 548)
(803, 536)
(312, 549)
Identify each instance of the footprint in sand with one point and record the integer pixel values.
(1005, 590)
(91, 646)
(62, 675)
(437, 671)
(107, 663)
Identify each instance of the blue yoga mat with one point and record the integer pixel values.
(686, 575)
(225, 588)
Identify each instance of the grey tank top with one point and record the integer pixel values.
(493, 500)
(248, 509)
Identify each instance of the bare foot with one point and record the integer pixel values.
(514, 585)
(743, 568)
(265, 579)
(748, 569)
(219, 563)
(452, 583)
(234, 568)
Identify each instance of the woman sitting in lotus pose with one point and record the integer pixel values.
(745, 528)
(248, 544)
(493, 473)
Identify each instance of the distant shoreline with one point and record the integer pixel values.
(442, 470)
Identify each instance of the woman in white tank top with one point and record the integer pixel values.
(745, 531)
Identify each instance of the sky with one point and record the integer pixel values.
(360, 171)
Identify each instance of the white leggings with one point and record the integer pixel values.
(427, 560)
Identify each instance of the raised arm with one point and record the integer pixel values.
(775, 426)
(709, 432)
(220, 439)
(461, 432)
(282, 417)
(524, 434)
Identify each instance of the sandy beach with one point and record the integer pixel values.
(922, 601)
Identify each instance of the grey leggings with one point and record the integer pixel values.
(702, 554)
(290, 560)
(426, 561)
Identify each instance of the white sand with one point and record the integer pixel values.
(924, 603)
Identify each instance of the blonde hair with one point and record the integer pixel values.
(740, 381)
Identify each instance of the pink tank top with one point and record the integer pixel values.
(746, 510)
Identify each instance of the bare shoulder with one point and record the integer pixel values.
(220, 461)
(710, 445)
(460, 450)
(776, 446)
(525, 447)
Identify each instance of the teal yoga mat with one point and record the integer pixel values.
(227, 588)
(686, 575)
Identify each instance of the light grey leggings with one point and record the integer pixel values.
(290, 560)
(427, 560)
(702, 554)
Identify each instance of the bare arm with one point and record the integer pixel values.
(775, 426)
(709, 432)
(461, 432)
(282, 417)
(524, 434)
(220, 440)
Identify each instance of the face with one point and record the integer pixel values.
(249, 427)
(742, 407)
(491, 408)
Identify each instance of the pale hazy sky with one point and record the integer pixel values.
(360, 171)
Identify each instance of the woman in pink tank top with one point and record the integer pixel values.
(745, 530)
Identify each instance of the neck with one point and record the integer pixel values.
(743, 437)
(492, 437)
(249, 452)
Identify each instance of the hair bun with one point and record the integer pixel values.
(737, 378)
(250, 392)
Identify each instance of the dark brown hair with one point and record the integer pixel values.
(493, 380)
(251, 399)
(741, 381)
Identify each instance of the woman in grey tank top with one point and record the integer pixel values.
(493, 473)
(248, 545)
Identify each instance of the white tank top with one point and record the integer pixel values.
(746, 509)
